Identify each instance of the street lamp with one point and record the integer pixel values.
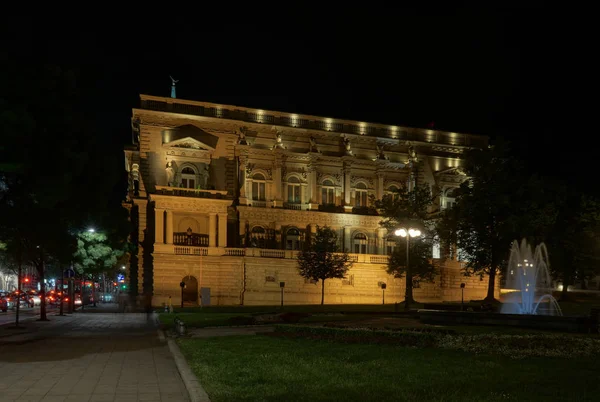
(91, 230)
(408, 233)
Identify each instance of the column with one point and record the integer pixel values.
(169, 230)
(212, 230)
(158, 225)
(243, 227)
(379, 189)
(381, 241)
(347, 184)
(223, 229)
(313, 194)
(277, 196)
(347, 239)
(242, 177)
(347, 188)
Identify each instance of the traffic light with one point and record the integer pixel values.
(26, 280)
(123, 287)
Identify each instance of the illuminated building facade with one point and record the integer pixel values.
(222, 198)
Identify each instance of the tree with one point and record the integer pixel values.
(322, 260)
(499, 203)
(574, 241)
(410, 209)
(94, 255)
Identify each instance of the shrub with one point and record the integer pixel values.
(514, 346)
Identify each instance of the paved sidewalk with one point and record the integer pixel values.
(89, 357)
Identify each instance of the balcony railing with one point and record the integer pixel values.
(296, 206)
(191, 192)
(194, 239)
(259, 253)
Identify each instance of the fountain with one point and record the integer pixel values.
(529, 281)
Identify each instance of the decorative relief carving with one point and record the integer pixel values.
(176, 203)
(269, 173)
(448, 149)
(356, 179)
(249, 168)
(303, 218)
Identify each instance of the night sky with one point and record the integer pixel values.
(520, 72)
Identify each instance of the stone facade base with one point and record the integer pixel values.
(256, 281)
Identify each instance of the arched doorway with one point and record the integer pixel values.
(190, 291)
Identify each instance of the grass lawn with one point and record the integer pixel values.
(300, 308)
(199, 320)
(266, 368)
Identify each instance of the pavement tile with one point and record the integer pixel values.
(90, 357)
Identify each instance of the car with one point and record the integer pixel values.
(3, 305)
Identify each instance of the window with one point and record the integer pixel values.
(392, 192)
(436, 247)
(293, 190)
(449, 199)
(292, 239)
(188, 178)
(258, 237)
(390, 245)
(258, 187)
(362, 195)
(328, 192)
(360, 243)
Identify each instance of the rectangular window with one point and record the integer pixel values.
(294, 194)
(328, 196)
(361, 199)
(258, 191)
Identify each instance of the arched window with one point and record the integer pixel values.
(293, 185)
(188, 178)
(436, 252)
(258, 237)
(258, 187)
(360, 243)
(449, 199)
(292, 239)
(362, 195)
(328, 192)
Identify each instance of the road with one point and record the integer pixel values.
(24, 313)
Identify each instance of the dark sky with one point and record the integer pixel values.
(520, 72)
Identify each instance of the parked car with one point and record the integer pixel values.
(3, 305)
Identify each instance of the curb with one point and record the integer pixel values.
(195, 390)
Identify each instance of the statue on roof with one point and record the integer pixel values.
(173, 82)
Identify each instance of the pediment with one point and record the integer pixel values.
(190, 137)
(189, 143)
(454, 171)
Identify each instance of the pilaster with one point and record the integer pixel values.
(159, 214)
(212, 230)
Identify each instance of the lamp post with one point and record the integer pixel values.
(408, 233)
(462, 297)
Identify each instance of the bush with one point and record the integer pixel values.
(514, 346)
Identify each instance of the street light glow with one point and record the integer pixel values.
(91, 230)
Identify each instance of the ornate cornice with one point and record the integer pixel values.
(189, 204)
(303, 218)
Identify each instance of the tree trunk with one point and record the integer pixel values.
(94, 289)
(322, 291)
(491, 285)
(42, 278)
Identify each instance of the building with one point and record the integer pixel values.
(223, 197)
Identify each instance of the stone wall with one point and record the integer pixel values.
(255, 281)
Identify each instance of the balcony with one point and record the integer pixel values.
(194, 239)
(191, 192)
(256, 253)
